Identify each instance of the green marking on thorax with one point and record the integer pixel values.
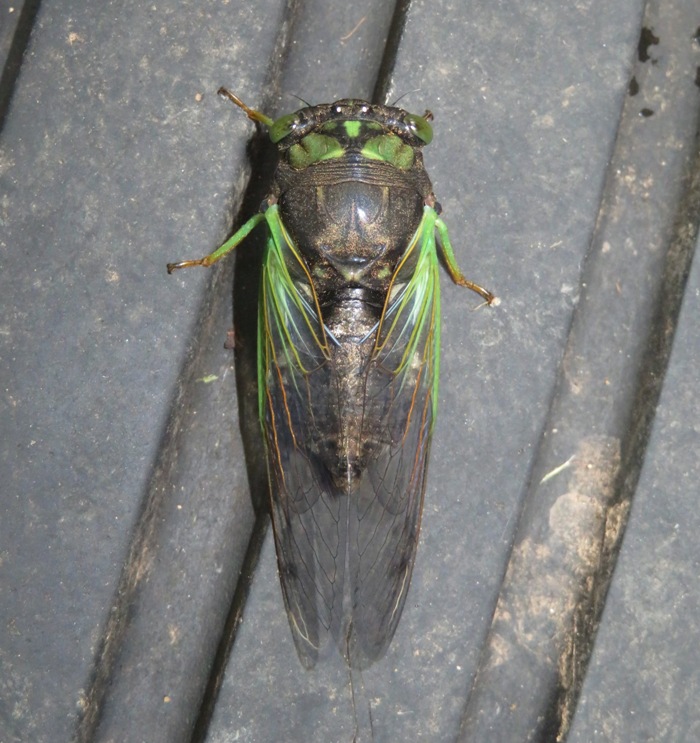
(352, 128)
(390, 149)
(386, 147)
(313, 148)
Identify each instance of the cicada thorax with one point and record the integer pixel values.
(351, 195)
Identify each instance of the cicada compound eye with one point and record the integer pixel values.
(420, 127)
(282, 127)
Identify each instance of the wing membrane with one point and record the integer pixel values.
(294, 368)
(386, 510)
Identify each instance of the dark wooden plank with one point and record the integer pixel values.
(585, 473)
(127, 513)
(118, 157)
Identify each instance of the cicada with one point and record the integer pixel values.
(348, 363)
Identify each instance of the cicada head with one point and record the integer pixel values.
(333, 130)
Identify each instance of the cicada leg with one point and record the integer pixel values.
(250, 112)
(452, 267)
(226, 248)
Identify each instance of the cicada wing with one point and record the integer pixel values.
(400, 406)
(294, 371)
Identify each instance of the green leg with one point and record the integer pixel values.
(453, 268)
(227, 247)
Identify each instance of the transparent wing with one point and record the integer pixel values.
(308, 520)
(400, 407)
